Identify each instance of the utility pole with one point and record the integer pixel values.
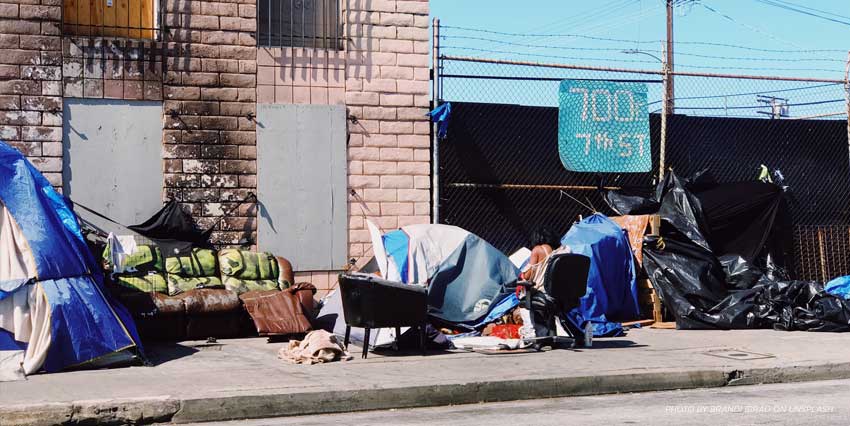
(670, 92)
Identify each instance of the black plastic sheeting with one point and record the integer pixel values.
(517, 144)
(715, 262)
(173, 230)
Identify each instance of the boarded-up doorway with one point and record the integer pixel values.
(302, 184)
(113, 156)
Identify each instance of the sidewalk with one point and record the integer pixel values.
(243, 378)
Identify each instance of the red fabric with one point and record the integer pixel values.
(506, 331)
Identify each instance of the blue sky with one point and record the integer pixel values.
(797, 39)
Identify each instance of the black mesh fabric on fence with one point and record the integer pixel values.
(493, 144)
(490, 145)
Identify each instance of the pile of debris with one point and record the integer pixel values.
(718, 261)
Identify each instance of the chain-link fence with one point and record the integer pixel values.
(499, 173)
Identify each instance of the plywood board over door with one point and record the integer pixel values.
(302, 184)
(112, 156)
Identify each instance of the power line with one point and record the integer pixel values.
(616, 22)
(638, 61)
(733, 95)
(812, 9)
(575, 58)
(803, 12)
(757, 49)
(618, 49)
(749, 27)
(550, 35)
(831, 101)
(587, 14)
(616, 40)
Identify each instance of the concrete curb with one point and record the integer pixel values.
(166, 409)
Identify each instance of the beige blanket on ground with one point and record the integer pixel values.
(318, 346)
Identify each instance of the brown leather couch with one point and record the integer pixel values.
(195, 314)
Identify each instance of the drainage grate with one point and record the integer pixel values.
(738, 354)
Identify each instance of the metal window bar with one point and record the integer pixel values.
(130, 19)
(299, 23)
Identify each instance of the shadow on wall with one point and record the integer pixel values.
(363, 66)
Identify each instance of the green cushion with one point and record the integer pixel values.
(145, 258)
(144, 283)
(248, 265)
(178, 284)
(199, 263)
(243, 286)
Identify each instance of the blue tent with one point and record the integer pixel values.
(611, 282)
(54, 311)
(466, 276)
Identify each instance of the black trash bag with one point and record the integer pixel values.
(630, 204)
(739, 273)
(173, 230)
(434, 339)
(688, 278)
(801, 305)
(692, 284)
(681, 211)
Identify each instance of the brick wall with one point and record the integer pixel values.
(209, 91)
(30, 82)
(94, 67)
(384, 75)
(210, 76)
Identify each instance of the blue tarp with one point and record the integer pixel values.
(441, 115)
(470, 283)
(839, 287)
(86, 324)
(395, 243)
(612, 294)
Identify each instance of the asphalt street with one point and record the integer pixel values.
(813, 403)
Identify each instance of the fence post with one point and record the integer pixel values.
(435, 139)
(847, 97)
(665, 78)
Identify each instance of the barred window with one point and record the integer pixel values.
(299, 23)
(111, 18)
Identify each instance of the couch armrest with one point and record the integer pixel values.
(286, 273)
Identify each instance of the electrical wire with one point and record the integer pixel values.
(617, 49)
(576, 21)
(757, 49)
(831, 101)
(587, 14)
(812, 9)
(803, 12)
(749, 27)
(637, 61)
(574, 58)
(641, 42)
(582, 18)
(544, 35)
(733, 95)
(617, 22)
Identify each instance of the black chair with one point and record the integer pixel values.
(371, 302)
(565, 281)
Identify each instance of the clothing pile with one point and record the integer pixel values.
(318, 346)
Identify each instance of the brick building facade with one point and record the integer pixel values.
(206, 68)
